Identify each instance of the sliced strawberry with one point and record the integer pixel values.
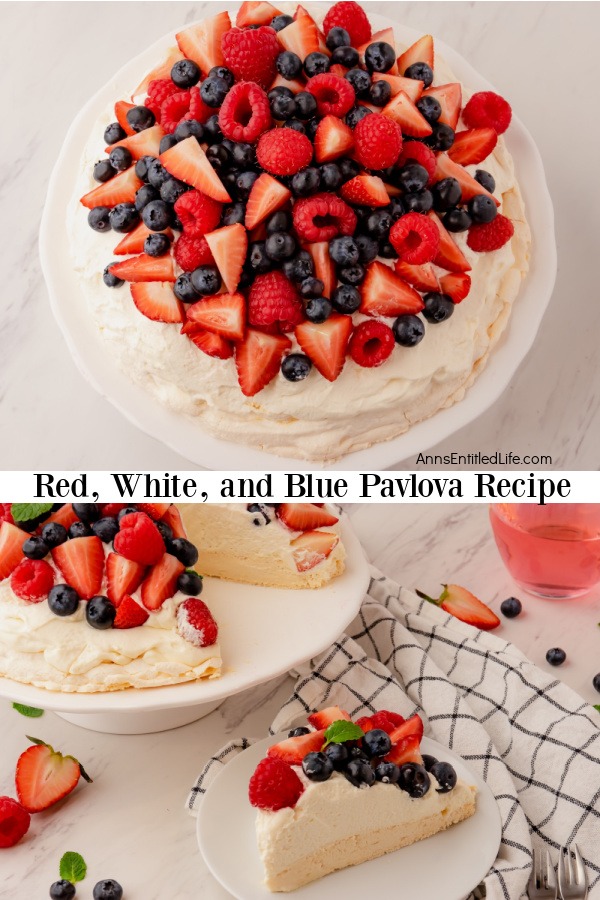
(44, 776)
(267, 196)
(121, 110)
(11, 548)
(387, 36)
(420, 51)
(124, 576)
(145, 268)
(211, 343)
(302, 14)
(256, 12)
(64, 516)
(403, 111)
(472, 147)
(293, 750)
(333, 139)
(449, 256)
(224, 314)
(312, 548)
(81, 562)
(6, 513)
(202, 42)
(293, 85)
(464, 605)
(304, 516)
(366, 723)
(324, 266)
(112, 509)
(447, 168)
(385, 294)
(154, 510)
(406, 751)
(367, 190)
(187, 161)
(300, 37)
(386, 720)
(449, 97)
(130, 614)
(172, 518)
(163, 70)
(326, 344)
(258, 358)
(144, 143)
(323, 718)
(157, 301)
(456, 285)
(411, 86)
(161, 583)
(120, 189)
(412, 727)
(133, 241)
(422, 278)
(229, 246)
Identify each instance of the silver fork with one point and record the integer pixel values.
(572, 879)
(542, 883)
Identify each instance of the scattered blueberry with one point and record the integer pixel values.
(354, 115)
(233, 213)
(306, 181)
(62, 890)
(126, 511)
(318, 309)
(457, 220)
(418, 201)
(99, 218)
(184, 289)
(511, 607)
(104, 171)
(279, 221)
(120, 158)
(113, 133)
(428, 761)
(352, 275)
(157, 244)
(441, 138)
(243, 155)
(367, 248)
(446, 194)
(348, 167)
(387, 772)
(213, 91)
(206, 280)
(359, 773)
(337, 37)
(445, 776)
(288, 64)
(224, 73)
(280, 22)
(185, 73)
(156, 215)
(378, 224)
(283, 105)
(189, 128)
(63, 600)
(360, 81)
(79, 529)
(190, 583)
(108, 889)
(87, 512)
(345, 56)
(100, 613)
(556, 656)
(316, 63)
(184, 551)
(485, 180)
(296, 367)
(298, 732)
(317, 766)
(482, 208)
(430, 109)
(343, 250)
(438, 307)
(295, 125)
(172, 189)
(337, 754)
(144, 196)
(380, 93)
(212, 129)
(300, 267)
(312, 287)
(156, 173)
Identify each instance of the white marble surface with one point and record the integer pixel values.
(56, 420)
(130, 824)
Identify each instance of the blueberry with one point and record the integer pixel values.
(317, 766)
(184, 289)
(54, 534)
(295, 125)
(556, 656)
(352, 275)
(430, 109)
(346, 299)
(156, 215)
(279, 221)
(414, 779)
(457, 220)
(354, 116)
(387, 772)
(213, 90)
(318, 309)
(244, 183)
(421, 72)
(104, 171)
(206, 280)
(100, 613)
(445, 776)
(280, 246)
(367, 248)
(310, 128)
(419, 201)
(224, 73)
(243, 155)
(99, 218)
(482, 208)
(396, 208)
(441, 138)
(337, 37)
(376, 743)
(485, 180)
(359, 773)
(316, 63)
(63, 600)
(331, 177)
(280, 22)
(157, 244)
(218, 157)
(378, 224)
(596, 682)
(300, 267)
(379, 57)
(126, 511)
(172, 189)
(387, 250)
(166, 531)
(283, 106)
(106, 529)
(108, 889)
(62, 890)
(141, 167)
(184, 551)
(144, 196)
(233, 214)
(124, 217)
(87, 512)
(345, 56)
(212, 129)
(356, 752)
(157, 174)
(288, 64)
(360, 81)
(140, 118)
(337, 754)
(35, 548)
(312, 287)
(446, 194)
(258, 259)
(428, 761)
(185, 73)
(278, 90)
(79, 529)
(511, 607)
(298, 732)
(413, 177)
(343, 250)
(113, 133)
(190, 583)
(348, 167)
(306, 182)
(438, 307)
(408, 330)
(296, 367)
(120, 158)
(380, 93)
(189, 128)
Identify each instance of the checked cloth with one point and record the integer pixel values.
(532, 739)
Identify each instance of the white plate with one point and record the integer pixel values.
(187, 437)
(462, 855)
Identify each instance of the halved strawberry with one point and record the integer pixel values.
(300, 37)
(120, 189)
(301, 14)
(420, 51)
(456, 285)
(366, 723)
(112, 509)
(449, 255)
(44, 776)
(411, 86)
(386, 720)
(294, 85)
(224, 314)
(449, 97)
(256, 12)
(293, 750)
(161, 583)
(387, 36)
(403, 111)
(257, 359)
(406, 751)
(124, 576)
(412, 727)
(154, 510)
(144, 143)
(211, 343)
(323, 718)
(324, 266)
(130, 614)
(338, 69)
(145, 268)
(447, 168)
(121, 110)
(304, 516)
(81, 562)
(385, 294)
(6, 513)
(229, 246)
(422, 278)
(64, 516)
(464, 605)
(333, 139)
(162, 70)
(326, 344)
(133, 241)
(11, 548)
(312, 548)
(187, 161)
(472, 147)
(267, 196)
(202, 42)
(172, 518)
(157, 301)
(367, 190)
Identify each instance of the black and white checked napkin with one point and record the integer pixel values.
(533, 740)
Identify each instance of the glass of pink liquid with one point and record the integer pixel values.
(552, 551)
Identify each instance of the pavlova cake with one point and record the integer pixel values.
(101, 597)
(340, 793)
(305, 235)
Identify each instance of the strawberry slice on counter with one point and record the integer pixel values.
(120, 189)
(44, 776)
(367, 190)
(420, 51)
(81, 562)
(324, 266)
(188, 162)
(447, 168)
(456, 284)
(145, 268)
(130, 614)
(323, 718)
(464, 605)
(121, 110)
(266, 197)
(385, 294)
(312, 548)
(124, 576)
(255, 12)
(412, 87)
(11, 548)
(161, 583)
(202, 42)
(300, 37)
(449, 255)
(133, 241)
(224, 314)
(403, 111)
(449, 97)
(293, 750)
(156, 301)
(326, 343)
(143, 143)
(406, 751)
(472, 147)
(258, 358)
(229, 246)
(333, 139)
(305, 517)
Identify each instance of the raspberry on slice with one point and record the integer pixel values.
(198, 108)
(487, 110)
(158, 91)
(173, 110)
(32, 580)
(415, 238)
(353, 18)
(416, 151)
(250, 53)
(274, 785)
(490, 235)
(274, 299)
(191, 252)
(377, 142)
(371, 344)
(14, 822)
(283, 151)
(198, 213)
(334, 95)
(196, 624)
(322, 217)
(139, 539)
(245, 113)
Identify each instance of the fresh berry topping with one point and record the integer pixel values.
(449, 99)
(322, 217)
(224, 314)
(120, 189)
(136, 146)
(376, 742)
(412, 727)
(190, 583)
(81, 561)
(14, 822)
(211, 343)
(161, 583)
(334, 95)
(422, 278)
(187, 161)
(124, 576)
(196, 624)
(144, 268)
(229, 246)
(487, 110)
(274, 299)
(251, 54)
(312, 548)
(266, 196)
(403, 111)
(258, 359)
(11, 548)
(378, 142)
(386, 721)
(360, 773)
(154, 510)
(255, 12)
(304, 517)
(469, 187)
(245, 113)
(198, 213)
(121, 110)
(455, 285)
(63, 600)
(274, 785)
(139, 539)
(283, 151)
(414, 779)
(472, 147)
(100, 613)
(445, 775)
(511, 607)
(192, 252)
(419, 52)
(174, 109)
(323, 718)
(202, 42)
(326, 343)
(157, 301)
(371, 344)
(415, 238)
(351, 17)
(464, 605)
(5, 513)
(365, 190)
(449, 255)
(317, 766)
(293, 749)
(332, 139)
(556, 656)
(419, 153)
(491, 235)
(405, 750)
(32, 580)
(44, 776)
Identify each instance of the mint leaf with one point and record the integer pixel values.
(597, 706)
(341, 731)
(25, 512)
(73, 867)
(30, 711)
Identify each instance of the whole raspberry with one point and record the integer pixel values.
(322, 217)
(198, 213)
(490, 235)
(415, 151)
(352, 17)
(32, 580)
(386, 720)
(158, 91)
(274, 299)
(198, 108)
(191, 252)
(371, 344)
(415, 238)
(173, 110)
(5, 513)
(283, 151)
(274, 785)
(245, 113)
(487, 110)
(377, 142)
(250, 53)
(14, 822)
(334, 95)
(196, 624)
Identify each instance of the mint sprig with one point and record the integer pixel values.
(597, 706)
(32, 712)
(26, 512)
(341, 731)
(72, 867)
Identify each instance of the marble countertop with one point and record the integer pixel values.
(56, 420)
